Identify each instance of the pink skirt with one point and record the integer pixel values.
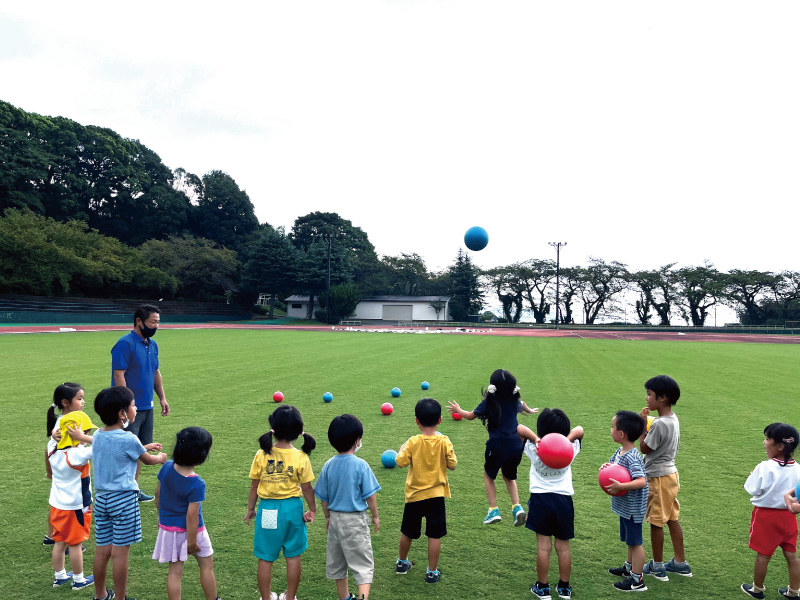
(171, 546)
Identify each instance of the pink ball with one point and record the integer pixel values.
(387, 408)
(556, 451)
(278, 396)
(457, 417)
(611, 471)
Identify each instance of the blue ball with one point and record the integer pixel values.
(388, 459)
(476, 238)
(327, 396)
(425, 385)
(395, 392)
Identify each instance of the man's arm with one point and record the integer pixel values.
(119, 378)
(158, 386)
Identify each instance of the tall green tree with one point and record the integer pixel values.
(602, 283)
(224, 213)
(341, 303)
(538, 278)
(508, 287)
(700, 288)
(745, 292)
(464, 288)
(271, 266)
(407, 274)
(656, 292)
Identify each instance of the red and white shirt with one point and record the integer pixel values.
(770, 480)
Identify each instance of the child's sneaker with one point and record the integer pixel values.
(48, 541)
(564, 591)
(432, 576)
(519, 515)
(541, 590)
(493, 516)
(785, 592)
(58, 582)
(282, 596)
(272, 596)
(623, 571)
(87, 581)
(679, 568)
(403, 567)
(109, 596)
(143, 497)
(651, 569)
(629, 584)
(749, 589)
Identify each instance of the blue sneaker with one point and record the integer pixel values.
(109, 596)
(493, 517)
(541, 590)
(629, 584)
(48, 541)
(651, 569)
(564, 591)
(87, 581)
(432, 576)
(403, 566)
(519, 515)
(145, 497)
(678, 568)
(748, 588)
(59, 582)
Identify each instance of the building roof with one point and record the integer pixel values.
(297, 298)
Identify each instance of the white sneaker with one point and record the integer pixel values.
(272, 596)
(283, 596)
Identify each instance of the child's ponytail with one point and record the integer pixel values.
(65, 391)
(265, 441)
(783, 433)
(309, 443)
(502, 388)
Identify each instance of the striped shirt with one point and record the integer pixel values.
(633, 504)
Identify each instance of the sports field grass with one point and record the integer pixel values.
(223, 380)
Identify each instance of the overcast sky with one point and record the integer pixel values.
(642, 132)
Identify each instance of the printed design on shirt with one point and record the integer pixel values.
(278, 472)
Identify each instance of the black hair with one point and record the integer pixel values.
(344, 431)
(287, 425)
(664, 385)
(783, 433)
(428, 412)
(144, 311)
(192, 446)
(504, 397)
(552, 420)
(110, 401)
(66, 391)
(631, 424)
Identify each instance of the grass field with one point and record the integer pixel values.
(223, 380)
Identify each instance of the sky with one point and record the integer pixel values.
(640, 132)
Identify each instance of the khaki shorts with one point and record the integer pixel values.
(349, 545)
(662, 499)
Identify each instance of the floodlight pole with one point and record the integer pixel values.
(328, 295)
(557, 246)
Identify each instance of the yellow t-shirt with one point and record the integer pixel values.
(281, 472)
(429, 457)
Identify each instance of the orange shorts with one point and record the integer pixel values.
(71, 526)
(662, 499)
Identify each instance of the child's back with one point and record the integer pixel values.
(345, 483)
(429, 456)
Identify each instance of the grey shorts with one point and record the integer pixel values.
(349, 545)
(142, 426)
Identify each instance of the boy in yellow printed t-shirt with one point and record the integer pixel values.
(429, 455)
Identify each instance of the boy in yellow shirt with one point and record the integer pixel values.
(429, 454)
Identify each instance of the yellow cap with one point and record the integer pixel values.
(77, 420)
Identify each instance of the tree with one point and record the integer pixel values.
(464, 288)
(785, 303)
(745, 290)
(344, 299)
(600, 284)
(656, 292)
(699, 289)
(571, 283)
(407, 274)
(509, 289)
(271, 266)
(224, 213)
(536, 277)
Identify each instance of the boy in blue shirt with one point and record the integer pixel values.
(626, 428)
(347, 487)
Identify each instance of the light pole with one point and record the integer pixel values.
(328, 293)
(557, 246)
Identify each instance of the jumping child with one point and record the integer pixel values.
(498, 412)
(279, 475)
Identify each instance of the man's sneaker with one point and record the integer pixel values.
(432, 576)
(564, 591)
(48, 541)
(541, 590)
(651, 569)
(109, 595)
(629, 584)
(87, 581)
(519, 515)
(623, 571)
(785, 592)
(402, 567)
(145, 497)
(61, 581)
(678, 568)
(493, 516)
(747, 588)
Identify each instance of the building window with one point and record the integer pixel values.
(297, 306)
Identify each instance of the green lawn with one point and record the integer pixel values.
(223, 380)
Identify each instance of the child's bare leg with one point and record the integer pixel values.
(434, 549)
(760, 570)
(676, 535)
(543, 548)
(657, 541)
(207, 580)
(174, 580)
(794, 569)
(264, 576)
(342, 589)
(636, 558)
(59, 550)
(119, 556)
(75, 558)
(363, 590)
(102, 555)
(564, 559)
(405, 546)
(491, 490)
(293, 569)
(511, 486)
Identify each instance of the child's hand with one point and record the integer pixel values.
(453, 407)
(645, 412)
(251, 514)
(327, 523)
(614, 487)
(376, 522)
(56, 434)
(192, 548)
(162, 457)
(309, 517)
(153, 446)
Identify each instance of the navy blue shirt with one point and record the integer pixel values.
(508, 418)
(138, 357)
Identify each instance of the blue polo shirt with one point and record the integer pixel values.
(139, 359)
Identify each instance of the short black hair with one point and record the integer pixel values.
(631, 424)
(428, 412)
(552, 420)
(144, 311)
(110, 401)
(343, 432)
(664, 385)
(783, 433)
(192, 446)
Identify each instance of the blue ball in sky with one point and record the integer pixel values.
(476, 238)
(327, 396)
(425, 385)
(387, 459)
(395, 392)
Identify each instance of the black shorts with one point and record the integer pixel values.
(551, 514)
(435, 522)
(505, 454)
(142, 426)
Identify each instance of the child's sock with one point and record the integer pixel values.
(62, 574)
(432, 570)
(792, 593)
(637, 577)
(758, 589)
(628, 565)
(562, 583)
(658, 565)
(78, 577)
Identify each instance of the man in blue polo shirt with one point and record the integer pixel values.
(134, 364)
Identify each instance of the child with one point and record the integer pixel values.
(117, 523)
(181, 530)
(659, 446)
(279, 474)
(550, 509)
(347, 487)
(71, 501)
(498, 412)
(772, 525)
(429, 454)
(626, 427)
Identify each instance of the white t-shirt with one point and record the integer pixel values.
(769, 481)
(70, 468)
(546, 480)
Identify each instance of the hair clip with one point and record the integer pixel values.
(491, 389)
(54, 405)
(516, 390)
(788, 440)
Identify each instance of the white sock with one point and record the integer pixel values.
(791, 592)
(62, 574)
(758, 589)
(78, 577)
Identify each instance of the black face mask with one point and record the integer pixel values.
(148, 332)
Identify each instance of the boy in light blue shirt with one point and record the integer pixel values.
(347, 487)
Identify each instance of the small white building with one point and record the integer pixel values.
(384, 308)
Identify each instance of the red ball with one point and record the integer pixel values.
(387, 408)
(611, 471)
(457, 417)
(556, 451)
(278, 396)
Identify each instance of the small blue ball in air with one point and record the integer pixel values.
(476, 238)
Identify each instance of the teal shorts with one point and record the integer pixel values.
(280, 526)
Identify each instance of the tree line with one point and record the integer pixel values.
(87, 212)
